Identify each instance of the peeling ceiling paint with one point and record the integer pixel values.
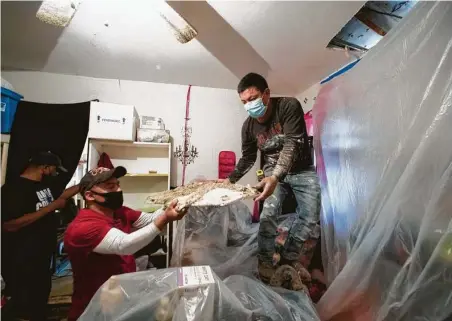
(127, 39)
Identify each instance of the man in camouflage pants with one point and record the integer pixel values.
(276, 127)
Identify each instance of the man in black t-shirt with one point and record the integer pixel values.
(276, 128)
(29, 235)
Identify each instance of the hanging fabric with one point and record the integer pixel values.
(105, 161)
(59, 128)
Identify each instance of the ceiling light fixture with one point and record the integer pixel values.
(182, 30)
(57, 12)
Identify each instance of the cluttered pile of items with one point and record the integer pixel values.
(152, 130)
(214, 268)
(213, 274)
(195, 294)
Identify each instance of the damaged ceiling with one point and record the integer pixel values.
(285, 41)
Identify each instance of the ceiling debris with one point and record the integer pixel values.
(372, 22)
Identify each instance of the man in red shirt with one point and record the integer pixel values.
(103, 237)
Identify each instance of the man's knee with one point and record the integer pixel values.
(268, 225)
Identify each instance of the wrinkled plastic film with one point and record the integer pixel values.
(163, 295)
(383, 139)
(226, 239)
(223, 237)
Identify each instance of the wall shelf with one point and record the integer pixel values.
(100, 143)
(138, 158)
(146, 175)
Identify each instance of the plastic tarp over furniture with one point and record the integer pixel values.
(222, 237)
(194, 294)
(384, 151)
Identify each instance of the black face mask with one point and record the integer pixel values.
(113, 200)
(51, 174)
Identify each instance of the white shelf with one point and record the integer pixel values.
(146, 175)
(139, 159)
(129, 144)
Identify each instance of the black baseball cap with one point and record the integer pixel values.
(99, 175)
(47, 159)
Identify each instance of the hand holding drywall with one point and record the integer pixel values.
(173, 214)
(267, 186)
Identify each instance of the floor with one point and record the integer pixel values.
(60, 298)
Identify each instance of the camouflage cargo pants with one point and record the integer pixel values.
(289, 241)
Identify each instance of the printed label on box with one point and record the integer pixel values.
(150, 122)
(101, 119)
(190, 276)
(3, 107)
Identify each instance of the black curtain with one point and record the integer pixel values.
(59, 128)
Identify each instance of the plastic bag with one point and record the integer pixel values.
(226, 239)
(383, 144)
(222, 237)
(142, 262)
(153, 135)
(194, 294)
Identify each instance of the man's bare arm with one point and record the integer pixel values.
(69, 192)
(27, 219)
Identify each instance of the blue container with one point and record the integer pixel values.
(10, 99)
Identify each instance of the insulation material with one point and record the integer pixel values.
(384, 148)
(194, 294)
(203, 194)
(57, 12)
(222, 237)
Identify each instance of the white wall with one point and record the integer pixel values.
(307, 98)
(216, 115)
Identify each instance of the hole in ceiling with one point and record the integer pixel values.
(372, 22)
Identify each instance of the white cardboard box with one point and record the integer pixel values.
(112, 121)
(150, 122)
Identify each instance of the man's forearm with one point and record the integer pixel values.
(27, 219)
(147, 218)
(286, 158)
(161, 221)
(70, 192)
(117, 242)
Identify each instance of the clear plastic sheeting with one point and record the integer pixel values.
(384, 150)
(223, 237)
(142, 262)
(194, 294)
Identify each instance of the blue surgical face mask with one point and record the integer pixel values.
(255, 108)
